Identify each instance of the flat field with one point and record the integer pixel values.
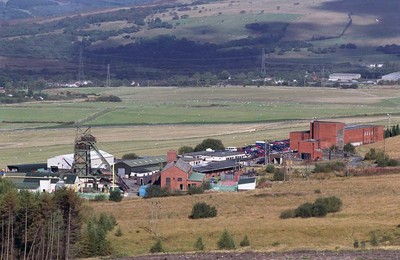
(149, 121)
(370, 206)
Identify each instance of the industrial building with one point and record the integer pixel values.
(344, 77)
(395, 76)
(323, 135)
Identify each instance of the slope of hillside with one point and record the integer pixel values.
(165, 38)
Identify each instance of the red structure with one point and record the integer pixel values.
(178, 174)
(323, 135)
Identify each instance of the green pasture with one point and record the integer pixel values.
(198, 106)
(282, 109)
(231, 26)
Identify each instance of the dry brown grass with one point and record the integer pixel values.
(370, 204)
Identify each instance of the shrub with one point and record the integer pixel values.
(199, 245)
(203, 210)
(349, 148)
(100, 197)
(195, 190)
(245, 241)
(319, 210)
(226, 241)
(317, 191)
(289, 213)
(304, 210)
(156, 191)
(118, 233)
(129, 156)
(279, 175)
(332, 204)
(329, 167)
(270, 168)
(373, 239)
(157, 247)
(115, 195)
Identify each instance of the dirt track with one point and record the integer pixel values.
(342, 255)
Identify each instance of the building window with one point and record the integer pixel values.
(179, 179)
(168, 182)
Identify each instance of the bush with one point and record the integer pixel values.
(289, 213)
(245, 241)
(226, 241)
(270, 168)
(199, 245)
(115, 195)
(203, 210)
(279, 175)
(129, 156)
(349, 148)
(156, 191)
(118, 233)
(304, 210)
(195, 190)
(157, 247)
(100, 197)
(319, 210)
(332, 204)
(329, 167)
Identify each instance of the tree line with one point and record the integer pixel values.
(49, 226)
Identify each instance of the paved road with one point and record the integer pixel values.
(317, 255)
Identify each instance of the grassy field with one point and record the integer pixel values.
(370, 204)
(151, 121)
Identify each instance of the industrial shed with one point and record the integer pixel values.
(344, 77)
(395, 76)
(247, 184)
(64, 162)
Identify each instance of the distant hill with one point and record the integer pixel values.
(158, 40)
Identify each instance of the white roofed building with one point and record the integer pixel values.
(395, 76)
(344, 77)
(65, 161)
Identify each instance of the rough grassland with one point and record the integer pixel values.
(370, 204)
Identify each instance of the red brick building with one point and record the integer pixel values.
(178, 174)
(323, 135)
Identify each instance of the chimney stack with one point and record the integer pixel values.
(172, 156)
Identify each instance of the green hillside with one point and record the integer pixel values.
(160, 40)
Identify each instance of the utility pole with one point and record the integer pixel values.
(263, 69)
(323, 76)
(81, 75)
(108, 81)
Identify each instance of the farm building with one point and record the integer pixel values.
(395, 76)
(344, 77)
(64, 162)
(179, 175)
(143, 170)
(323, 135)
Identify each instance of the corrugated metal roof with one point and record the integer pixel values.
(196, 176)
(247, 180)
(146, 161)
(216, 166)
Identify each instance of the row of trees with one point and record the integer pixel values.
(38, 226)
(51, 226)
(208, 143)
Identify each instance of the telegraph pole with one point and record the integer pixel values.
(263, 69)
(81, 75)
(108, 81)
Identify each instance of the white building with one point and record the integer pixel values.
(247, 184)
(344, 77)
(395, 76)
(65, 161)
